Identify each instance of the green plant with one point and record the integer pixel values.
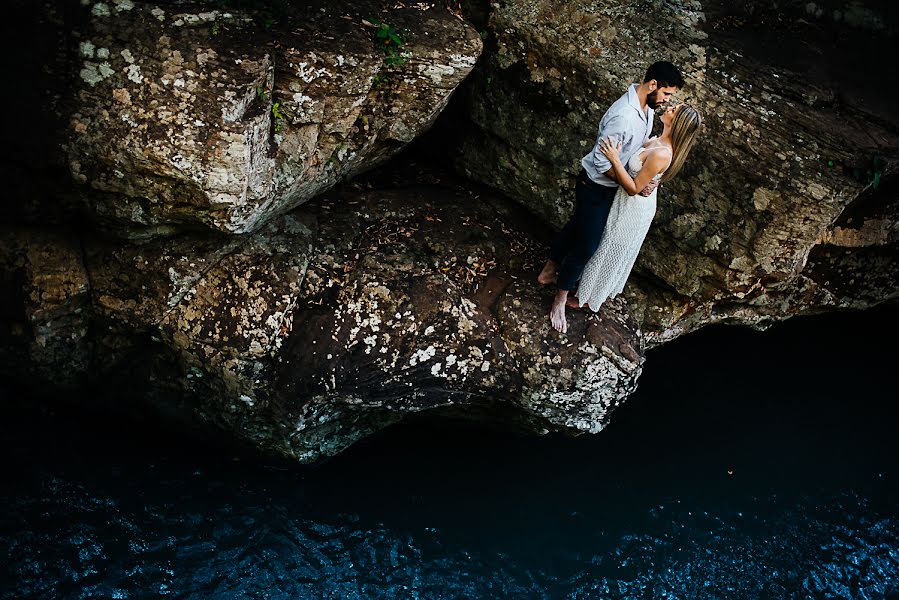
(278, 115)
(874, 173)
(868, 171)
(379, 79)
(216, 29)
(391, 43)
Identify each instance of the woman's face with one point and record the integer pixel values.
(669, 113)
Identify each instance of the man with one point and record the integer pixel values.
(629, 120)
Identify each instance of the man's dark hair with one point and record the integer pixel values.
(665, 74)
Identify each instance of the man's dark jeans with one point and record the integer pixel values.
(580, 237)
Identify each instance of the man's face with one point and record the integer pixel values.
(660, 96)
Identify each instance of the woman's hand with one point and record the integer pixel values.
(610, 148)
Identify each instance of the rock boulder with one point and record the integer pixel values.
(332, 322)
(185, 115)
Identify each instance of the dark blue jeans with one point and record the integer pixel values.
(580, 237)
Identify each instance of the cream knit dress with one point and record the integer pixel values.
(607, 270)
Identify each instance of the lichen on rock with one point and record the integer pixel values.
(344, 316)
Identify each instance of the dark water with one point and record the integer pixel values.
(748, 465)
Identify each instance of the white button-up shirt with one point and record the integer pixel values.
(627, 121)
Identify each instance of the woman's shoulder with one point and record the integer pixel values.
(661, 147)
(654, 145)
(659, 155)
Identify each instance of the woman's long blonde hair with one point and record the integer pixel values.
(684, 130)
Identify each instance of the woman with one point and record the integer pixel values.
(630, 217)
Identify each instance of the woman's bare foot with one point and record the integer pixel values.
(557, 312)
(573, 302)
(549, 274)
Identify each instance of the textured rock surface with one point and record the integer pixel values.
(783, 153)
(188, 116)
(336, 320)
(302, 332)
(45, 306)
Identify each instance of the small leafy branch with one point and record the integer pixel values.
(378, 80)
(390, 41)
(279, 116)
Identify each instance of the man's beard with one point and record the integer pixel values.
(652, 100)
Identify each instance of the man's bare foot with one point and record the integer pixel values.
(549, 274)
(573, 302)
(557, 312)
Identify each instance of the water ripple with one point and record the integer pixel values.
(89, 546)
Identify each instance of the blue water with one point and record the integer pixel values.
(747, 465)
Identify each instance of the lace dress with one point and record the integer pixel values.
(629, 220)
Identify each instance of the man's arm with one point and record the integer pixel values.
(615, 128)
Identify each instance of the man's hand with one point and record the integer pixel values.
(653, 184)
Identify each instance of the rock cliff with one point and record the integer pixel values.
(220, 276)
(796, 148)
(326, 324)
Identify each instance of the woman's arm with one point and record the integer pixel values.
(655, 163)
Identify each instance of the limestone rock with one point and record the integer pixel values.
(188, 116)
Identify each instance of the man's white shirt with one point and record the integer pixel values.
(627, 121)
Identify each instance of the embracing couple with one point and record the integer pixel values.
(615, 192)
